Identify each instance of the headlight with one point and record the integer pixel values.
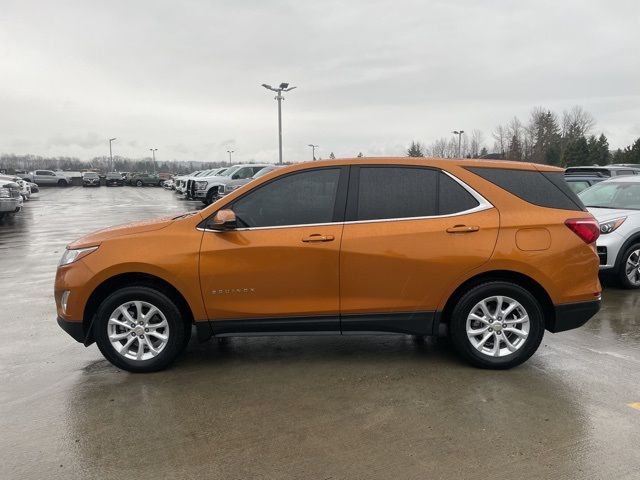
(71, 255)
(228, 188)
(201, 185)
(611, 225)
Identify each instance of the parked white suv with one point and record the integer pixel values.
(616, 205)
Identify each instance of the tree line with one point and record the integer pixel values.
(13, 163)
(546, 137)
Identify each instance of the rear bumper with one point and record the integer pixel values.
(75, 329)
(572, 315)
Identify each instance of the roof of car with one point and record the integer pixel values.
(603, 167)
(433, 162)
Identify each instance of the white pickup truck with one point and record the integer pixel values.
(47, 177)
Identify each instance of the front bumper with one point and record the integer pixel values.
(572, 315)
(75, 329)
(608, 247)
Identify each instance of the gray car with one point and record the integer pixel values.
(616, 205)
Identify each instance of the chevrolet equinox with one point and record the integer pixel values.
(491, 253)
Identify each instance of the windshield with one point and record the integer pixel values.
(230, 171)
(612, 195)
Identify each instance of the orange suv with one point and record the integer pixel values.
(491, 253)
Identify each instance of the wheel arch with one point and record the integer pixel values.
(634, 238)
(116, 282)
(443, 317)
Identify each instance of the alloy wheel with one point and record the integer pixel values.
(632, 268)
(497, 326)
(138, 330)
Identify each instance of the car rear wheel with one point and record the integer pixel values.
(140, 329)
(139, 183)
(62, 183)
(497, 325)
(629, 269)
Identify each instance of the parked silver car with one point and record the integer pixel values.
(616, 205)
(10, 198)
(206, 188)
(226, 188)
(25, 186)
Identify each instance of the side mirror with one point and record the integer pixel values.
(223, 220)
(235, 176)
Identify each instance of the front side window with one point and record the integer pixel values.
(300, 198)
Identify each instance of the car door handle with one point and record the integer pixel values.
(463, 229)
(318, 237)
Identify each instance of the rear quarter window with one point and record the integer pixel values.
(545, 189)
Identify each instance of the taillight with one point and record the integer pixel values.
(586, 228)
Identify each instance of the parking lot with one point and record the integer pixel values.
(295, 407)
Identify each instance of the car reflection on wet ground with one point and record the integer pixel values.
(295, 407)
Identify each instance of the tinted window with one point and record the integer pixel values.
(453, 197)
(625, 172)
(396, 192)
(547, 189)
(296, 199)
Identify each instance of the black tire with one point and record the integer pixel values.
(62, 183)
(209, 199)
(458, 329)
(621, 274)
(139, 183)
(177, 331)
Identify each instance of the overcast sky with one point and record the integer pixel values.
(372, 75)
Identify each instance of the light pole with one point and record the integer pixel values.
(111, 155)
(284, 87)
(459, 133)
(230, 152)
(313, 149)
(153, 152)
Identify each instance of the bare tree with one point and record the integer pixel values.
(501, 138)
(577, 122)
(476, 143)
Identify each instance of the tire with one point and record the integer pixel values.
(139, 183)
(482, 354)
(146, 297)
(631, 254)
(208, 200)
(62, 183)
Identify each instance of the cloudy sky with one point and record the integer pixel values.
(372, 75)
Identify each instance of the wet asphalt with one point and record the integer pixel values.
(370, 407)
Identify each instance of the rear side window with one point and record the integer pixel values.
(545, 189)
(406, 192)
(396, 192)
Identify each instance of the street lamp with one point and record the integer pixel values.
(284, 87)
(459, 133)
(153, 152)
(313, 149)
(230, 152)
(111, 155)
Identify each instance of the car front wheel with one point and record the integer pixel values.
(497, 325)
(139, 329)
(629, 269)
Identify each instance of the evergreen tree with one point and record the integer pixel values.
(483, 152)
(575, 152)
(415, 150)
(332, 156)
(360, 155)
(598, 150)
(515, 149)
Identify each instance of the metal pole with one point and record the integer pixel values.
(111, 155)
(279, 98)
(230, 152)
(459, 140)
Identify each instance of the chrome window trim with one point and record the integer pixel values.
(483, 204)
